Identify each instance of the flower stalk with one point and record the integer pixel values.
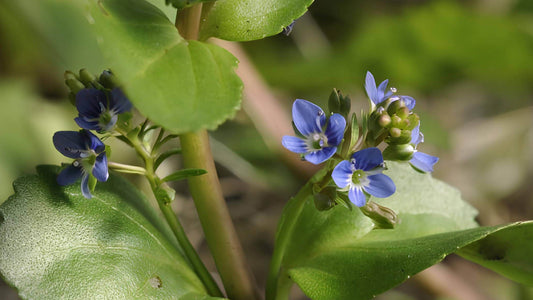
(170, 216)
(206, 191)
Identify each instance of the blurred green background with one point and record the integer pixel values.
(469, 64)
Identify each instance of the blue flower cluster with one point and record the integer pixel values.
(359, 173)
(98, 109)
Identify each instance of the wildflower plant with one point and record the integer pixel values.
(371, 217)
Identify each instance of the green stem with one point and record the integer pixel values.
(172, 220)
(283, 237)
(207, 193)
(126, 168)
(215, 218)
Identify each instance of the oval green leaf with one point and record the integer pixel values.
(56, 244)
(337, 254)
(247, 20)
(182, 85)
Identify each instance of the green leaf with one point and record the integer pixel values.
(182, 85)
(506, 251)
(337, 254)
(246, 20)
(57, 244)
(183, 174)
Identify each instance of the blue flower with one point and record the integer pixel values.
(99, 110)
(421, 161)
(316, 144)
(89, 154)
(380, 93)
(363, 174)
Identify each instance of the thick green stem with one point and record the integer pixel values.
(207, 194)
(215, 218)
(172, 220)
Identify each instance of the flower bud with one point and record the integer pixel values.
(414, 120)
(338, 103)
(403, 138)
(396, 121)
(394, 106)
(403, 152)
(86, 77)
(395, 132)
(108, 80)
(383, 217)
(384, 120)
(402, 112)
(73, 84)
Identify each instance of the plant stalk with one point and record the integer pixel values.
(207, 194)
(173, 221)
(215, 218)
(283, 237)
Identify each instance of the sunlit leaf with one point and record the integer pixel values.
(56, 244)
(182, 85)
(246, 20)
(337, 254)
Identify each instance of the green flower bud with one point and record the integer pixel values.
(403, 138)
(402, 112)
(86, 77)
(108, 80)
(396, 121)
(414, 120)
(383, 217)
(395, 132)
(384, 120)
(403, 152)
(74, 85)
(395, 106)
(338, 103)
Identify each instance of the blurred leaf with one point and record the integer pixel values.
(62, 32)
(57, 244)
(182, 85)
(337, 254)
(246, 20)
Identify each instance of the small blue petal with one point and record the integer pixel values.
(320, 156)
(100, 170)
(85, 186)
(69, 175)
(69, 143)
(342, 174)
(294, 144)
(380, 186)
(370, 87)
(367, 159)
(93, 141)
(416, 136)
(89, 102)
(423, 162)
(409, 101)
(119, 101)
(381, 93)
(89, 125)
(357, 196)
(307, 117)
(335, 129)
